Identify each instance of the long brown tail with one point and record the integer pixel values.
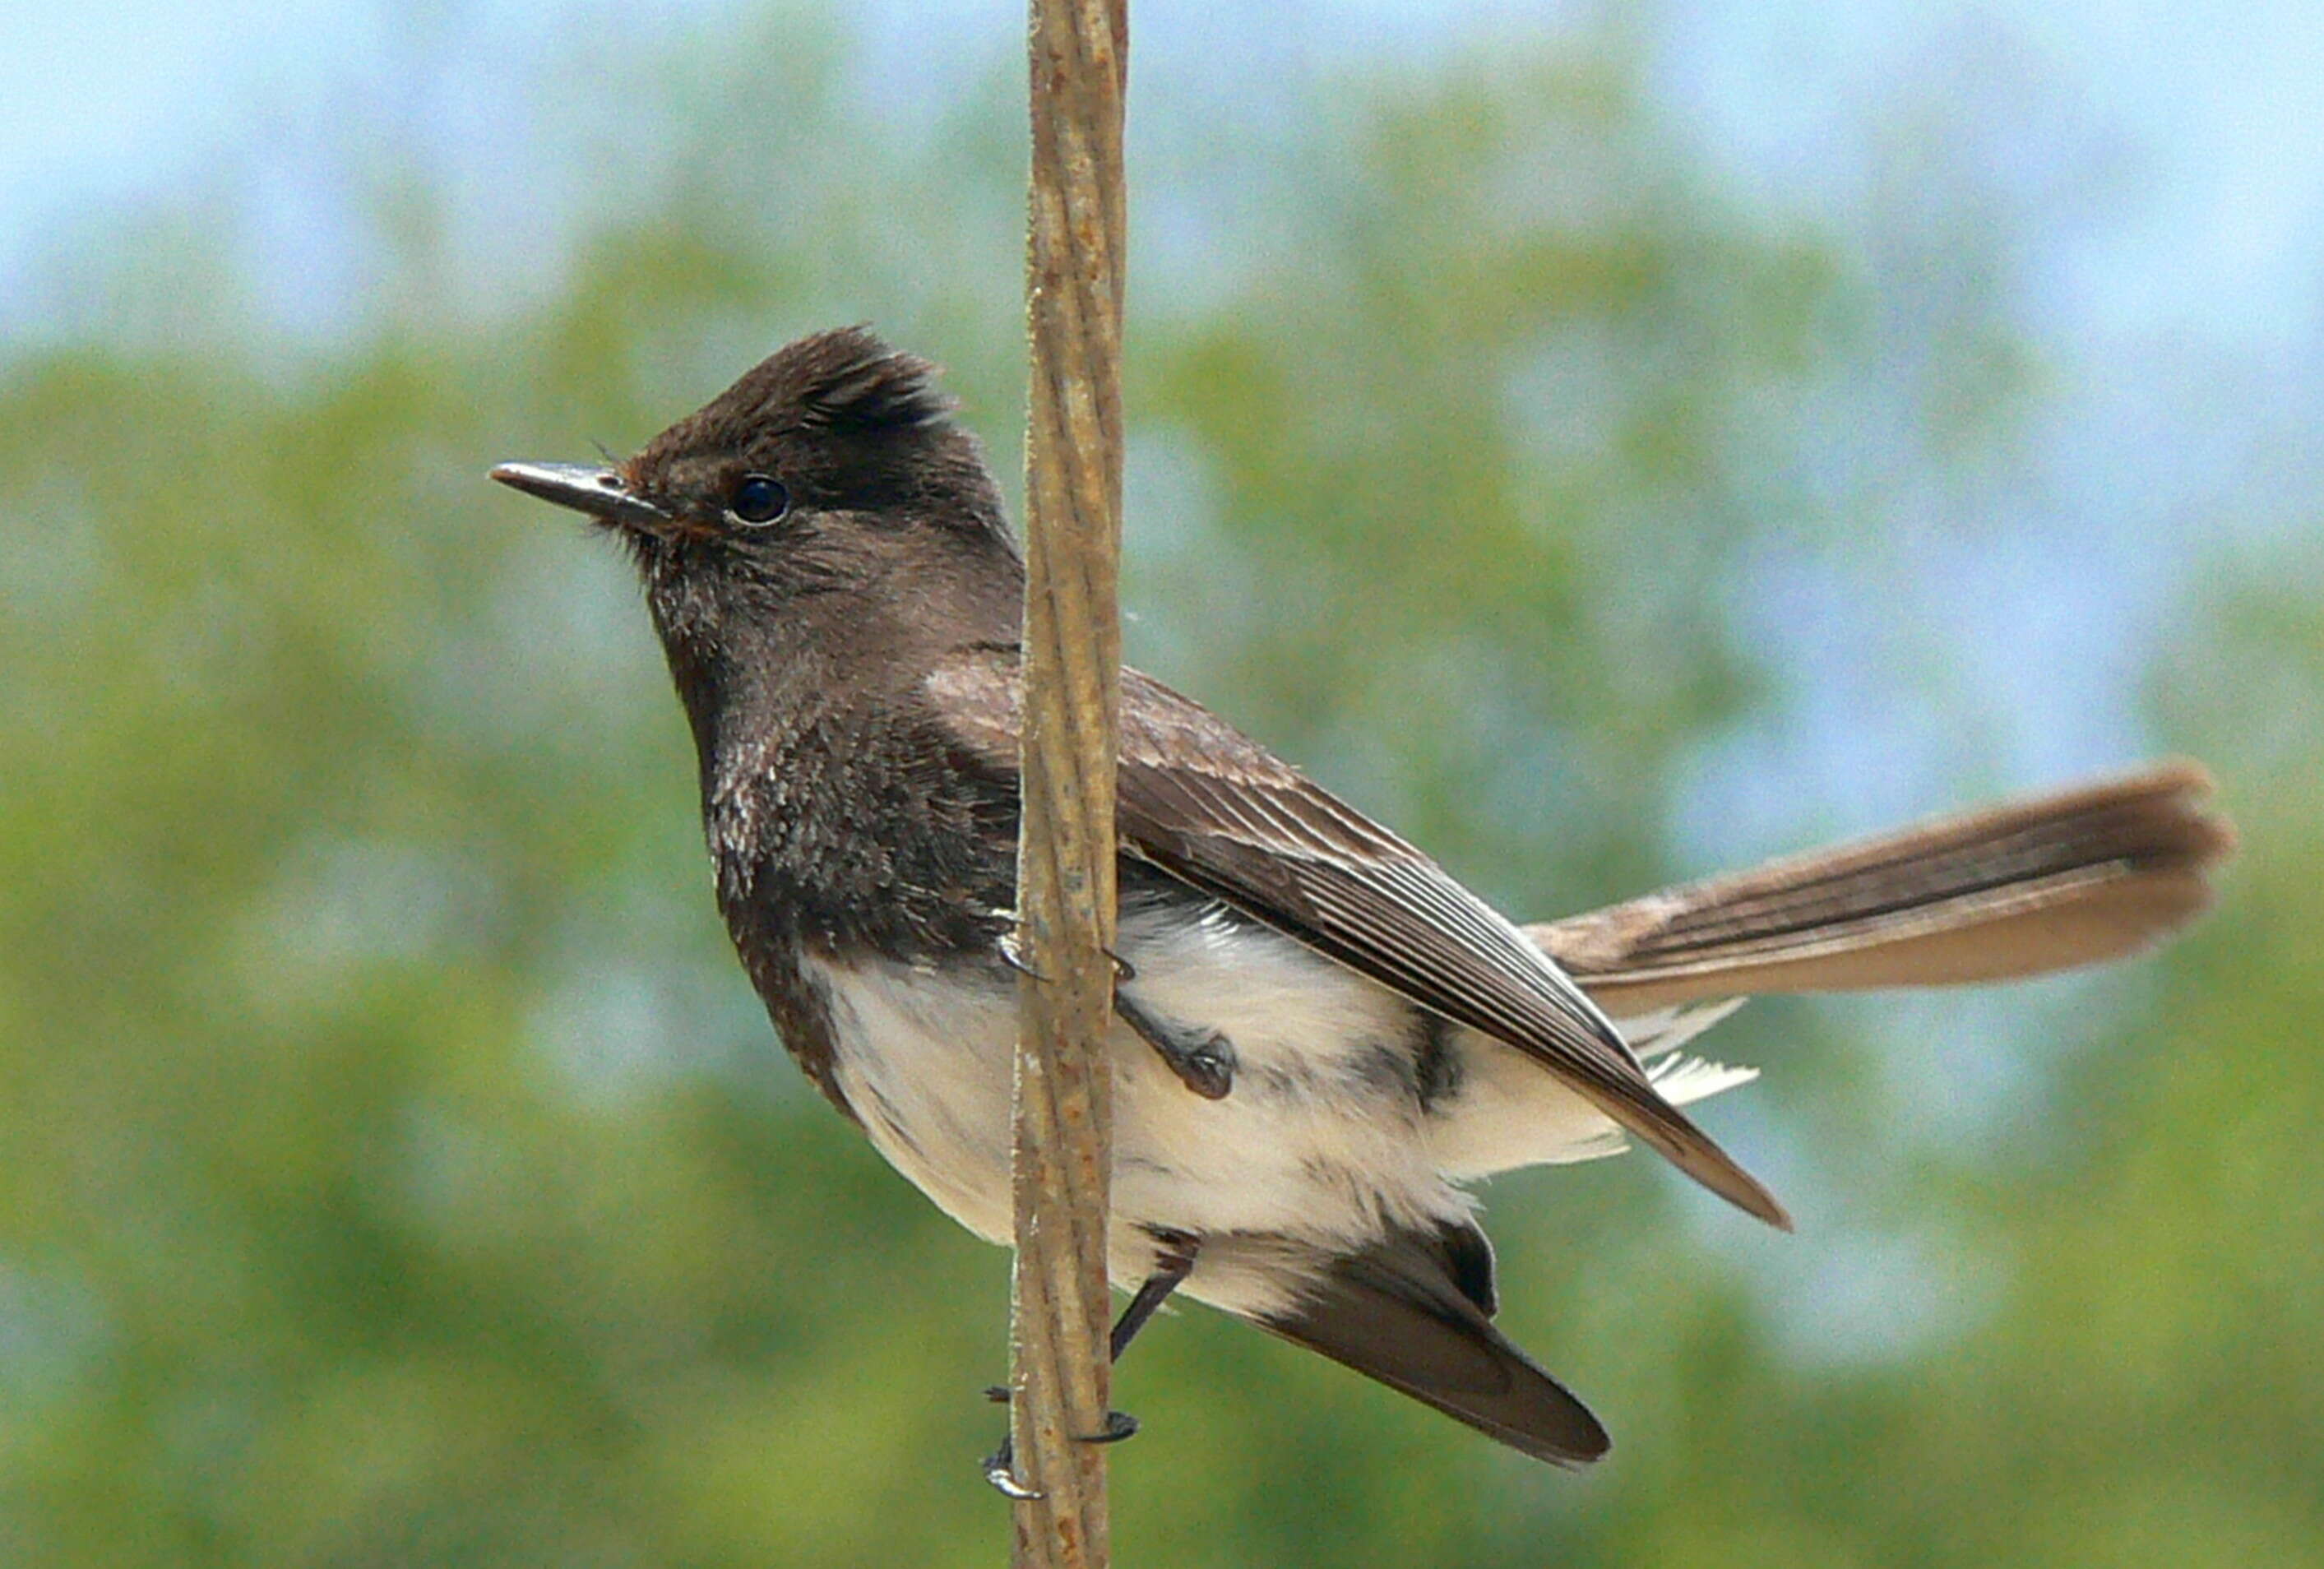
(2039, 884)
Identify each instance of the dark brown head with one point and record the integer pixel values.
(832, 468)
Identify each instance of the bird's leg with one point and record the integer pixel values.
(1205, 1064)
(1173, 1263)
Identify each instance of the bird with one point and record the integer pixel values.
(1323, 1041)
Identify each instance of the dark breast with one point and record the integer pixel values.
(850, 836)
(857, 834)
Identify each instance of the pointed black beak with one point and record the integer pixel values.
(602, 492)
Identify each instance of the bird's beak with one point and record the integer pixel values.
(602, 492)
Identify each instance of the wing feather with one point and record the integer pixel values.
(1213, 808)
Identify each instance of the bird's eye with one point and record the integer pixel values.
(758, 500)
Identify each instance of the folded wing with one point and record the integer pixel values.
(1213, 808)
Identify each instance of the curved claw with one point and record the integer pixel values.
(1118, 1425)
(1001, 1471)
(1001, 1466)
(1014, 957)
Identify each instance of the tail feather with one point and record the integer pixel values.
(1415, 1313)
(2035, 885)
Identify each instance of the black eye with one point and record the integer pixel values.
(758, 500)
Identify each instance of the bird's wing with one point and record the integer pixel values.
(1215, 810)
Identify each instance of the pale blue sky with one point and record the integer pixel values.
(2219, 101)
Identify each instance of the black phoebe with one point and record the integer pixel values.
(1323, 1035)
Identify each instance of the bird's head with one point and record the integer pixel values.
(833, 467)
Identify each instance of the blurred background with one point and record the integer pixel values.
(1609, 442)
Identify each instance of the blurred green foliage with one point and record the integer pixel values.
(398, 1170)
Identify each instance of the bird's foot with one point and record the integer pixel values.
(1118, 1425)
(1205, 1064)
(1001, 1466)
(1013, 955)
(1208, 1069)
(1001, 1471)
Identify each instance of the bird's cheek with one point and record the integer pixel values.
(670, 529)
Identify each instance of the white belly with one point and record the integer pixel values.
(1322, 1139)
(1318, 1141)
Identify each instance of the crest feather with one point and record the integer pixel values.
(849, 378)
